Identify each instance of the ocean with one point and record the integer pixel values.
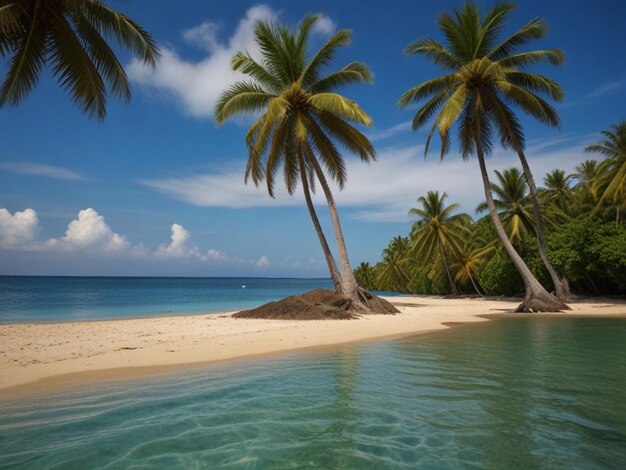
(47, 298)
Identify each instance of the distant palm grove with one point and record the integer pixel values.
(547, 242)
(447, 252)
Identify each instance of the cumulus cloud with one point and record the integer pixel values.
(88, 231)
(18, 229)
(197, 85)
(180, 245)
(263, 262)
(38, 169)
(404, 170)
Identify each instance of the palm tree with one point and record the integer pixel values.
(512, 202)
(588, 175)
(613, 147)
(392, 270)
(436, 230)
(302, 121)
(467, 263)
(365, 275)
(485, 74)
(557, 188)
(70, 36)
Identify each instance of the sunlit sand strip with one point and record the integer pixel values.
(38, 357)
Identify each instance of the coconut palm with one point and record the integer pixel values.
(302, 120)
(557, 188)
(485, 77)
(393, 269)
(70, 36)
(365, 275)
(588, 175)
(467, 263)
(513, 204)
(613, 147)
(436, 230)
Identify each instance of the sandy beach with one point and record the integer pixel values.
(43, 356)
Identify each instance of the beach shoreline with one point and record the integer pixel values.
(39, 357)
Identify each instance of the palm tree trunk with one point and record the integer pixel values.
(561, 285)
(350, 288)
(536, 298)
(330, 261)
(475, 286)
(442, 252)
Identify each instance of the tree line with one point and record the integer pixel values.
(448, 252)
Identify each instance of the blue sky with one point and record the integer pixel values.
(157, 188)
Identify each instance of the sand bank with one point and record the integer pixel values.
(37, 357)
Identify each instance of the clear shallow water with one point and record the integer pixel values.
(25, 298)
(518, 393)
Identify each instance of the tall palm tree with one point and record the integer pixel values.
(557, 188)
(485, 76)
(393, 268)
(513, 204)
(437, 230)
(302, 120)
(71, 37)
(613, 147)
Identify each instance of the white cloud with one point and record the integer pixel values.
(88, 231)
(179, 246)
(263, 262)
(18, 229)
(607, 88)
(197, 85)
(382, 134)
(404, 171)
(324, 25)
(37, 169)
(215, 255)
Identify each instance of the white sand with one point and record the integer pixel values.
(37, 357)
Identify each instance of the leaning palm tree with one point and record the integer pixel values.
(613, 147)
(512, 202)
(485, 76)
(467, 263)
(436, 231)
(302, 121)
(71, 37)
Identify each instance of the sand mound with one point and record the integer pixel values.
(318, 304)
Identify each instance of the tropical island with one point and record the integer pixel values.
(536, 275)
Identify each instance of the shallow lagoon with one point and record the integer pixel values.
(513, 393)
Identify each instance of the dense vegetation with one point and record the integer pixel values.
(447, 252)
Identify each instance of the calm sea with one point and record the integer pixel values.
(25, 298)
(538, 393)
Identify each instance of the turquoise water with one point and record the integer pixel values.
(27, 299)
(517, 394)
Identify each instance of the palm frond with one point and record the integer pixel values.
(355, 72)
(341, 106)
